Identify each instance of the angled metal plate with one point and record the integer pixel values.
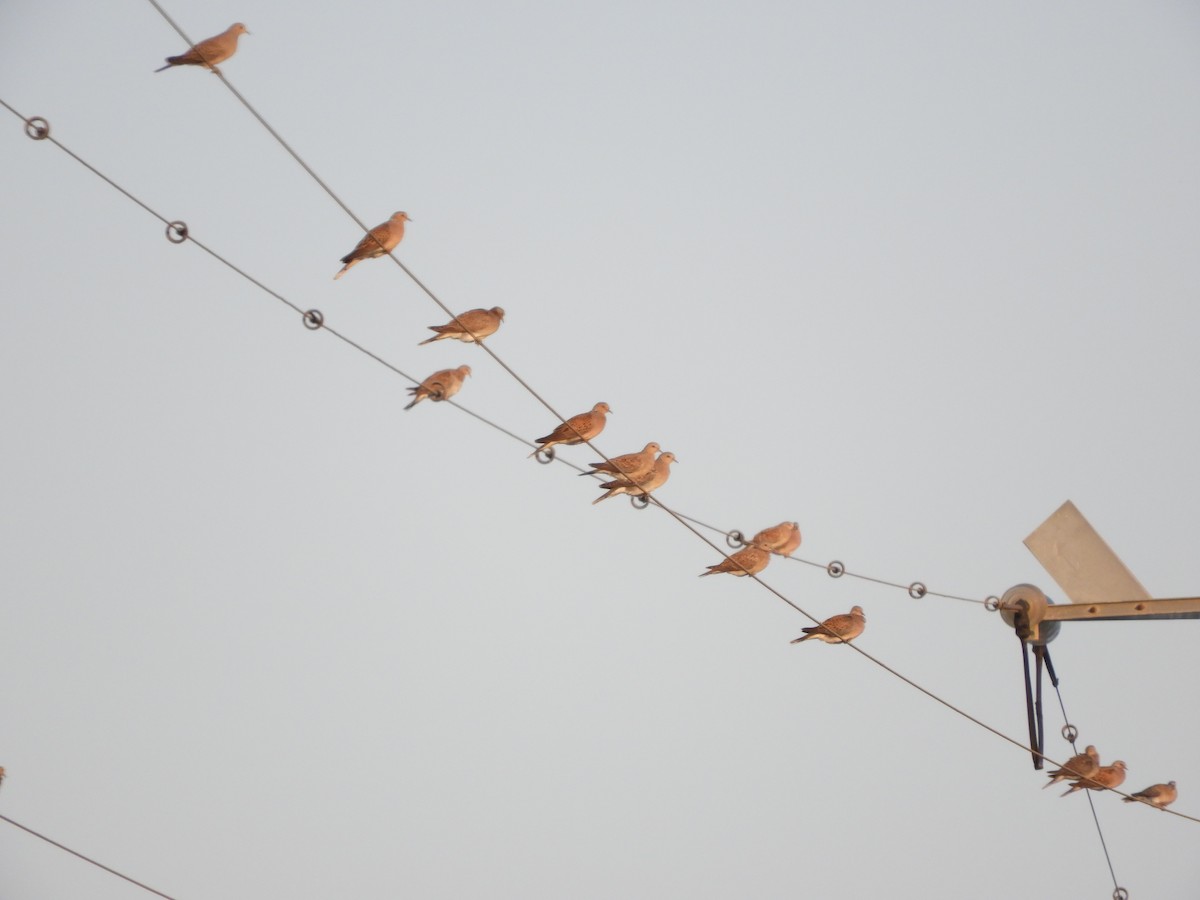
(1079, 560)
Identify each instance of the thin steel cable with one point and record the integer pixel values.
(650, 497)
(361, 224)
(499, 361)
(1091, 801)
(101, 865)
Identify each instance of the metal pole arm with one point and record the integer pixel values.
(1178, 608)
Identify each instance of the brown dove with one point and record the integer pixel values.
(783, 538)
(630, 465)
(1104, 777)
(1079, 766)
(2, 775)
(211, 51)
(837, 629)
(747, 561)
(439, 386)
(468, 327)
(379, 241)
(1157, 795)
(639, 487)
(577, 429)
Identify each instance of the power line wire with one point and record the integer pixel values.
(101, 865)
(650, 498)
(1069, 729)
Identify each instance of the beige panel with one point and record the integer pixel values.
(1079, 560)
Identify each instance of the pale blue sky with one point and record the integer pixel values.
(909, 274)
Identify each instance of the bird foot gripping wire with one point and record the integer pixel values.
(177, 232)
(314, 319)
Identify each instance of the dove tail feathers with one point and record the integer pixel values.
(428, 340)
(167, 66)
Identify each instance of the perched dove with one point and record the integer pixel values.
(837, 629)
(468, 327)
(440, 385)
(747, 561)
(2, 775)
(639, 487)
(1157, 795)
(211, 51)
(1104, 777)
(1079, 766)
(380, 240)
(577, 429)
(783, 538)
(631, 465)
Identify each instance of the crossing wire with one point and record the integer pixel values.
(650, 498)
(101, 865)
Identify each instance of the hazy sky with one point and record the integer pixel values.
(909, 274)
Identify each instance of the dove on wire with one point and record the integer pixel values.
(211, 51)
(639, 487)
(468, 327)
(1157, 795)
(783, 538)
(380, 240)
(837, 629)
(1081, 765)
(441, 385)
(629, 465)
(576, 429)
(747, 561)
(1104, 777)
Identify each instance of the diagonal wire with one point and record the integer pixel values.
(650, 498)
(101, 865)
(417, 281)
(1091, 801)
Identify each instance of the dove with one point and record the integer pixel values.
(639, 487)
(2, 775)
(1079, 766)
(380, 240)
(211, 51)
(440, 385)
(577, 429)
(837, 629)
(783, 538)
(1157, 795)
(631, 465)
(468, 327)
(747, 561)
(1104, 777)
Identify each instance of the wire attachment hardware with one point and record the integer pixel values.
(177, 232)
(314, 319)
(992, 603)
(37, 128)
(544, 455)
(1070, 733)
(835, 569)
(916, 590)
(735, 539)
(639, 501)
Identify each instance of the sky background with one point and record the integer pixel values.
(909, 274)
